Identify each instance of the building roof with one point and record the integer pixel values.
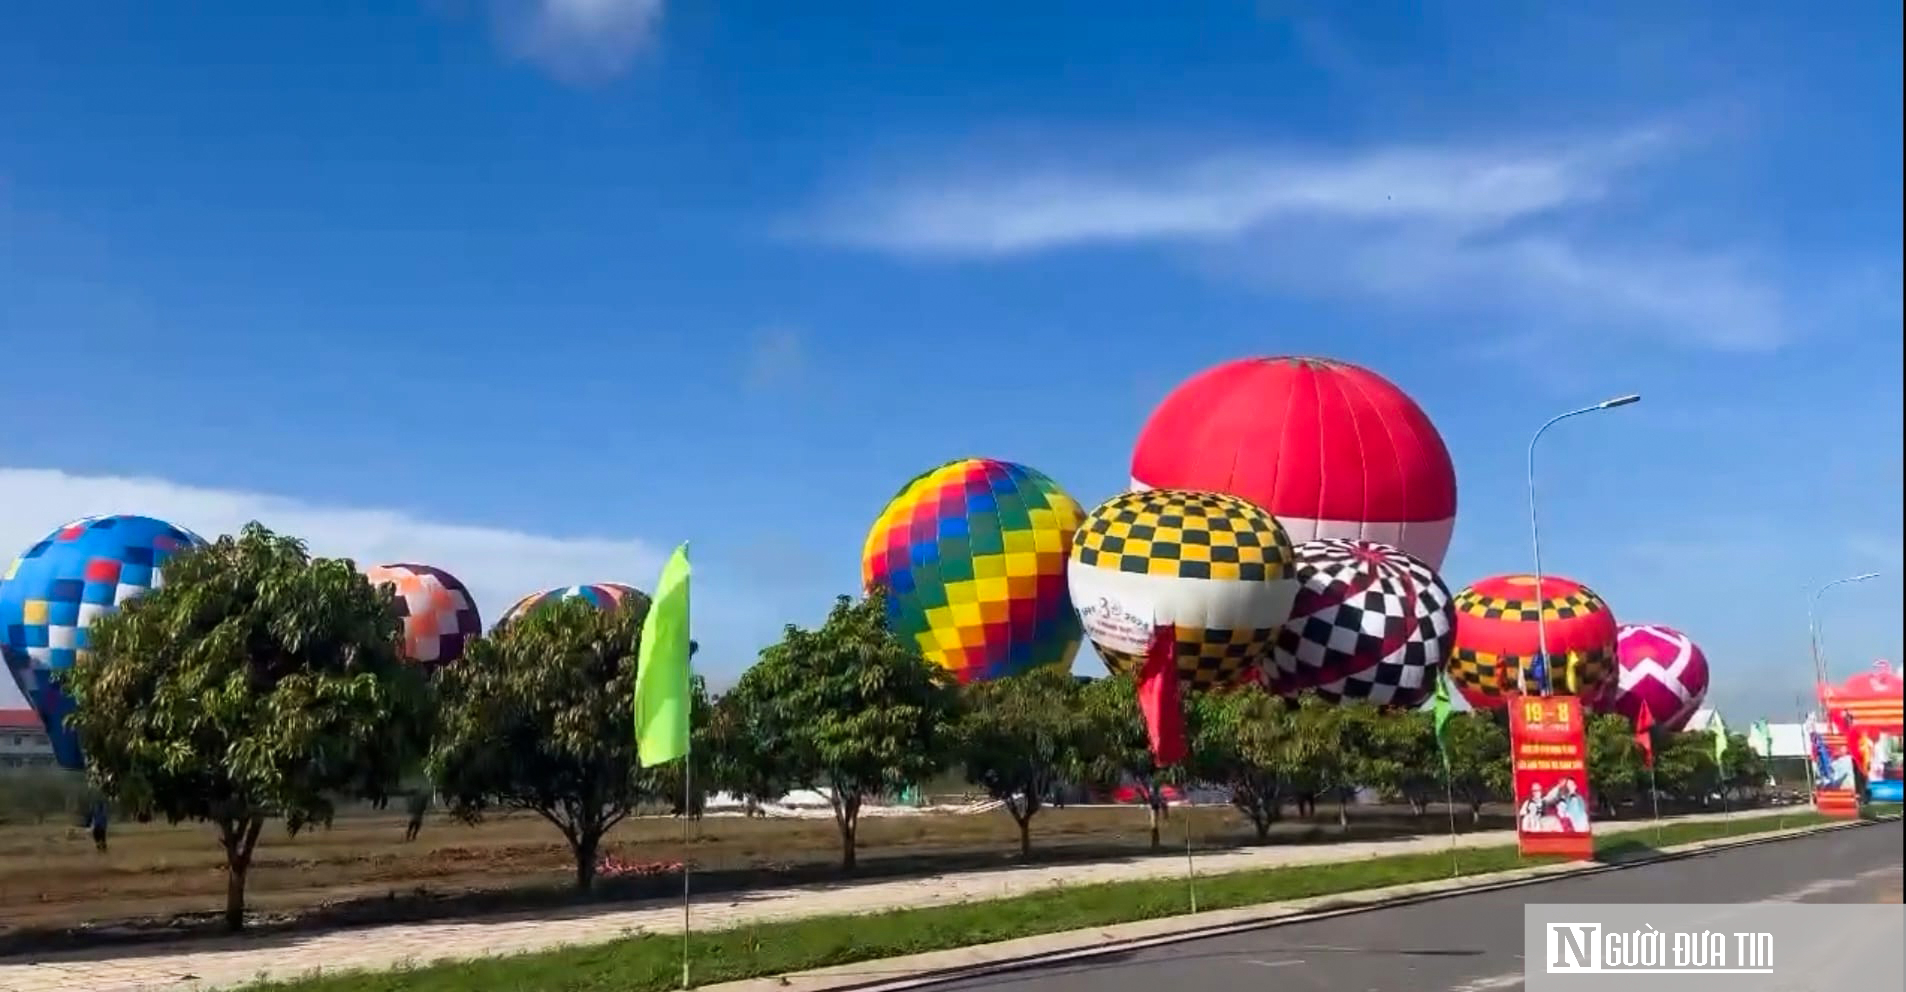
(21, 720)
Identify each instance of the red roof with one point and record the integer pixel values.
(18, 720)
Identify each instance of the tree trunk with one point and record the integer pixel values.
(1261, 822)
(239, 840)
(585, 846)
(1343, 809)
(847, 818)
(1157, 841)
(1025, 836)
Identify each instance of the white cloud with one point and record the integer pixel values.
(1009, 210)
(577, 41)
(1499, 226)
(498, 565)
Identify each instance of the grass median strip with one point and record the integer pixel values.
(654, 962)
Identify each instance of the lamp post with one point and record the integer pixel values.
(1813, 629)
(1535, 535)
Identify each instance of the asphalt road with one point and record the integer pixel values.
(1473, 943)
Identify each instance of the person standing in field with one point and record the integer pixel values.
(419, 804)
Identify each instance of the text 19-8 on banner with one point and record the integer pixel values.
(1551, 776)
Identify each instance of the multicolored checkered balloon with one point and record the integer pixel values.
(1218, 568)
(973, 557)
(1371, 622)
(601, 595)
(59, 586)
(1497, 640)
(438, 612)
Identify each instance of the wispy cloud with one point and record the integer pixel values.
(1506, 224)
(582, 42)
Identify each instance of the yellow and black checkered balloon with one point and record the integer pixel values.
(1219, 568)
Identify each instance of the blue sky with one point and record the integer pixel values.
(533, 290)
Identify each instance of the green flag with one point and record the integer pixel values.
(1719, 730)
(661, 676)
(1765, 734)
(1442, 717)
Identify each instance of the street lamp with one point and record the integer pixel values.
(1535, 535)
(1813, 627)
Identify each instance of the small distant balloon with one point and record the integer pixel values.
(973, 557)
(601, 595)
(53, 592)
(438, 612)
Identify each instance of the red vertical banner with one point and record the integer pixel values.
(1550, 761)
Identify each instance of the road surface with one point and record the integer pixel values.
(1473, 943)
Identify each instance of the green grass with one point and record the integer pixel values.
(641, 964)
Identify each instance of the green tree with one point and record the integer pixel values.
(1478, 744)
(739, 763)
(257, 682)
(1022, 737)
(1338, 742)
(537, 717)
(1685, 769)
(1616, 770)
(1247, 742)
(1401, 758)
(1120, 750)
(848, 709)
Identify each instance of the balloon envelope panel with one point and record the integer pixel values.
(438, 612)
(1497, 637)
(59, 586)
(601, 595)
(1370, 622)
(1662, 669)
(973, 557)
(1214, 565)
(1332, 449)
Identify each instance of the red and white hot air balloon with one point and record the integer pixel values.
(1331, 449)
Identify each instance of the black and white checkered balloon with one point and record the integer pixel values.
(1370, 623)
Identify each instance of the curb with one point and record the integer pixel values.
(1109, 940)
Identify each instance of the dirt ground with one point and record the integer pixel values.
(362, 870)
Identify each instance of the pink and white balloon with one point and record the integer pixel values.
(1661, 668)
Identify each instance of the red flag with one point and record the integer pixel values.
(1644, 735)
(1158, 697)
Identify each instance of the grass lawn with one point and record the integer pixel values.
(654, 962)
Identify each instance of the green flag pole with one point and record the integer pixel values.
(663, 702)
(1442, 710)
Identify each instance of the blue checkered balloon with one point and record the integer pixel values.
(58, 587)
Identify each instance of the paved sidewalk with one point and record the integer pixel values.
(190, 966)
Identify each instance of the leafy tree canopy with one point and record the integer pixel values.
(849, 709)
(1022, 737)
(538, 718)
(257, 682)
